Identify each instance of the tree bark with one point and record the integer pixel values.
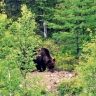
(45, 29)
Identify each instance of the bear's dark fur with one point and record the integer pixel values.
(43, 60)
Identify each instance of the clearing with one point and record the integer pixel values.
(50, 80)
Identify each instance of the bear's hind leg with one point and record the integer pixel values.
(39, 68)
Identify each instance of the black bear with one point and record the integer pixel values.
(43, 60)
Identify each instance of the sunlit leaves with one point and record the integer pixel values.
(87, 69)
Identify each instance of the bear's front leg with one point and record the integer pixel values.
(38, 66)
(43, 67)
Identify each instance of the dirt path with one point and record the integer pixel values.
(50, 80)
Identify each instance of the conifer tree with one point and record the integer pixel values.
(44, 10)
(77, 17)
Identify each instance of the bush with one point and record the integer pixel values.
(66, 51)
(25, 39)
(66, 63)
(17, 40)
(71, 87)
(87, 69)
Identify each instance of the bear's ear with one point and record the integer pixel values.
(53, 59)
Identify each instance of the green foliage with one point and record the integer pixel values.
(9, 83)
(12, 8)
(74, 23)
(2, 5)
(17, 41)
(52, 47)
(67, 63)
(71, 87)
(25, 38)
(64, 61)
(87, 69)
(4, 35)
(9, 71)
(33, 87)
(66, 41)
(66, 51)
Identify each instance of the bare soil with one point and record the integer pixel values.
(51, 80)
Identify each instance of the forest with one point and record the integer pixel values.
(67, 28)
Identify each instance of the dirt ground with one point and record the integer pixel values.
(51, 80)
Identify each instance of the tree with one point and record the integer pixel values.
(17, 41)
(9, 70)
(75, 17)
(12, 8)
(26, 39)
(44, 10)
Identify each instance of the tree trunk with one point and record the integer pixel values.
(45, 29)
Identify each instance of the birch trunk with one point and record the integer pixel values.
(9, 75)
(45, 29)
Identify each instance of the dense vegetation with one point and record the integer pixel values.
(66, 27)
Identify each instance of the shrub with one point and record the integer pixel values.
(25, 39)
(87, 69)
(17, 40)
(66, 63)
(66, 51)
(71, 87)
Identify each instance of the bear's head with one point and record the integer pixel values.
(51, 64)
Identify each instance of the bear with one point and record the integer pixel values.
(44, 60)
